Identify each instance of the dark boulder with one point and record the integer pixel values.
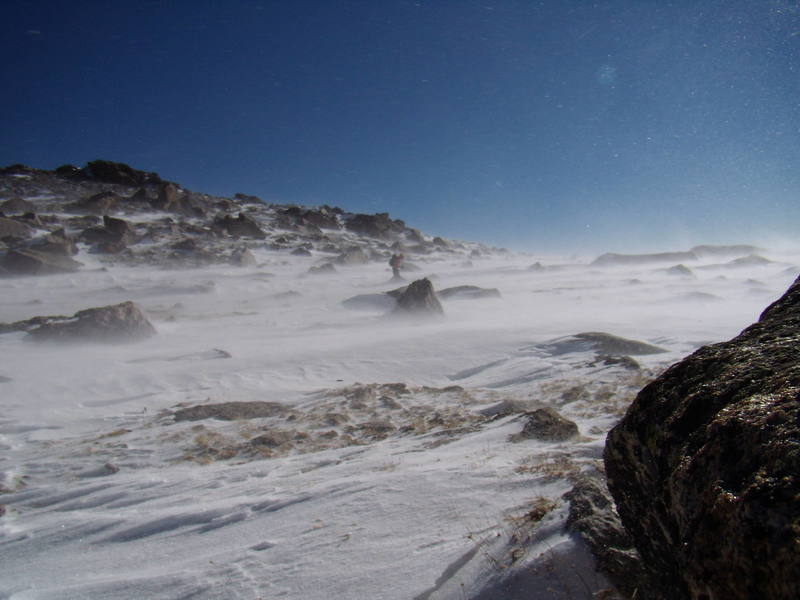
(419, 298)
(27, 261)
(547, 425)
(704, 466)
(123, 322)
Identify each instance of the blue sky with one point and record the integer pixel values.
(624, 124)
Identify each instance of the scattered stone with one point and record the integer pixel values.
(377, 226)
(704, 466)
(273, 439)
(123, 322)
(419, 298)
(601, 343)
(301, 251)
(547, 425)
(230, 411)
(102, 471)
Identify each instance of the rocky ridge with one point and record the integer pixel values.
(49, 219)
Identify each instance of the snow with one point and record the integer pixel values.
(107, 496)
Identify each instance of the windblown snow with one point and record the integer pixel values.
(384, 460)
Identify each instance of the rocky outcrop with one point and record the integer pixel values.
(419, 298)
(109, 172)
(123, 322)
(230, 411)
(377, 226)
(704, 466)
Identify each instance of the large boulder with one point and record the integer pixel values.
(705, 466)
(419, 298)
(123, 322)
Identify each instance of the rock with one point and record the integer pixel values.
(680, 271)
(301, 251)
(383, 302)
(109, 172)
(99, 204)
(322, 269)
(10, 228)
(272, 439)
(470, 292)
(17, 206)
(505, 407)
(241, 226)
(352, 256)
(546, 425)
(626, 362)
(26, 261)
(57, 242)
(419, 298)
(704, 466)
(602, 343)
(243, 258)
(230, 411)
(592, 516)
(123, 322)
(377, 226)
(246, 199)
(611, 259)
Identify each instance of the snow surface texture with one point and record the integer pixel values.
(354, 488)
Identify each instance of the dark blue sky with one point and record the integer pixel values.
(540, 125)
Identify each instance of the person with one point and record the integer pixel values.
(396, 262)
